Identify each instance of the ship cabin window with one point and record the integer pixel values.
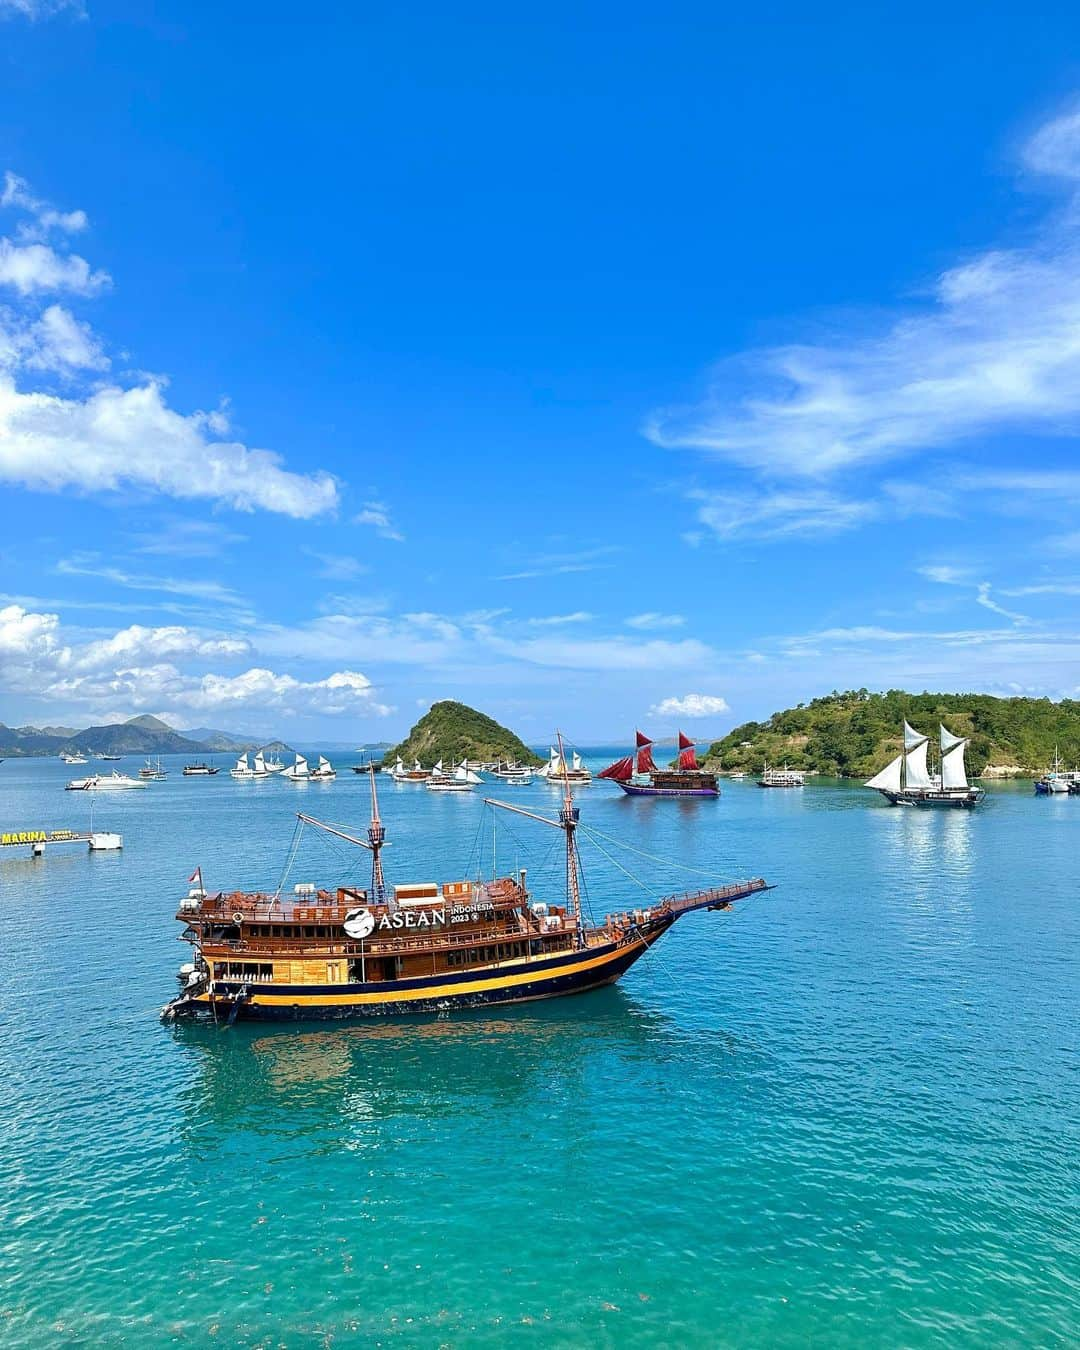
(243, 970)
(477, 956)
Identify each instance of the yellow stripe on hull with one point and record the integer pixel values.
(397, 994)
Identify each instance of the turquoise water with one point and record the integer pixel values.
(846, 1115)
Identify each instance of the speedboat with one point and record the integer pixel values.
(106, 782)
(73, 759)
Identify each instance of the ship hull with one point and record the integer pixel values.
(635, 790)
(932, 801)
(555, 977)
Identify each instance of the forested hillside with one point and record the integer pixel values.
(856, 733)
(452, 731)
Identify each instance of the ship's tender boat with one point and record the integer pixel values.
(417, 948)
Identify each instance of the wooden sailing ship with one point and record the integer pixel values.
(638, 775)
(428, 947)
(907, 781)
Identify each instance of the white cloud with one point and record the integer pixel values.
(996, 347)
(59, 342)
(108, 439)
(116, 438)
(16, 193)
(37, 267)
(377, 515)
(691, 705)
(652, 619)
(138, 643)
(136, 669)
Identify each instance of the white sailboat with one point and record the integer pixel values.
(556, 770)
(906, 780)
(297, 772)
(325, 771)
(461, 780)
(242, 769)
(273, 764)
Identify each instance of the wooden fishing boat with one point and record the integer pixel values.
(412, 948)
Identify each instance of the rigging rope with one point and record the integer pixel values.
(592, 832)
(298, 830)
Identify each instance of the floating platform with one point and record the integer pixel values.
(36, 840)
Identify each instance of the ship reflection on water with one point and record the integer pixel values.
(323, 1081)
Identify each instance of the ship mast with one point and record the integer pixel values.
(376, 838)
(569, 815)
(568, 819)
(375, 842)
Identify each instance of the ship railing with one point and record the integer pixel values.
(401, 944)
(678, 904)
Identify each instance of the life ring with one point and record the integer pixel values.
(238, 917)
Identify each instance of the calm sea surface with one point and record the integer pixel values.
(846, 1115)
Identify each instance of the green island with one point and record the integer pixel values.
(452, 731)
(853, 734)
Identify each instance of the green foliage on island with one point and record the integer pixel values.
(451, 732)
(854, 734)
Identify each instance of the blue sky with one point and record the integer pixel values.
(598, 368)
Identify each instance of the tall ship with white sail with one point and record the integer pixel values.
(908, 781)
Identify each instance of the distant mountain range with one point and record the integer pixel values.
(138, 736)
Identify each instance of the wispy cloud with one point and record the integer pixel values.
(39, 9)
(377, 515)
(87, 565)
(558, 620)
(559, 564)
(652, 619)
(995, 346)
(337, 566)
(179, 538)
(780, 513)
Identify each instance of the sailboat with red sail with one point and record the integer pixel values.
(638, 775)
